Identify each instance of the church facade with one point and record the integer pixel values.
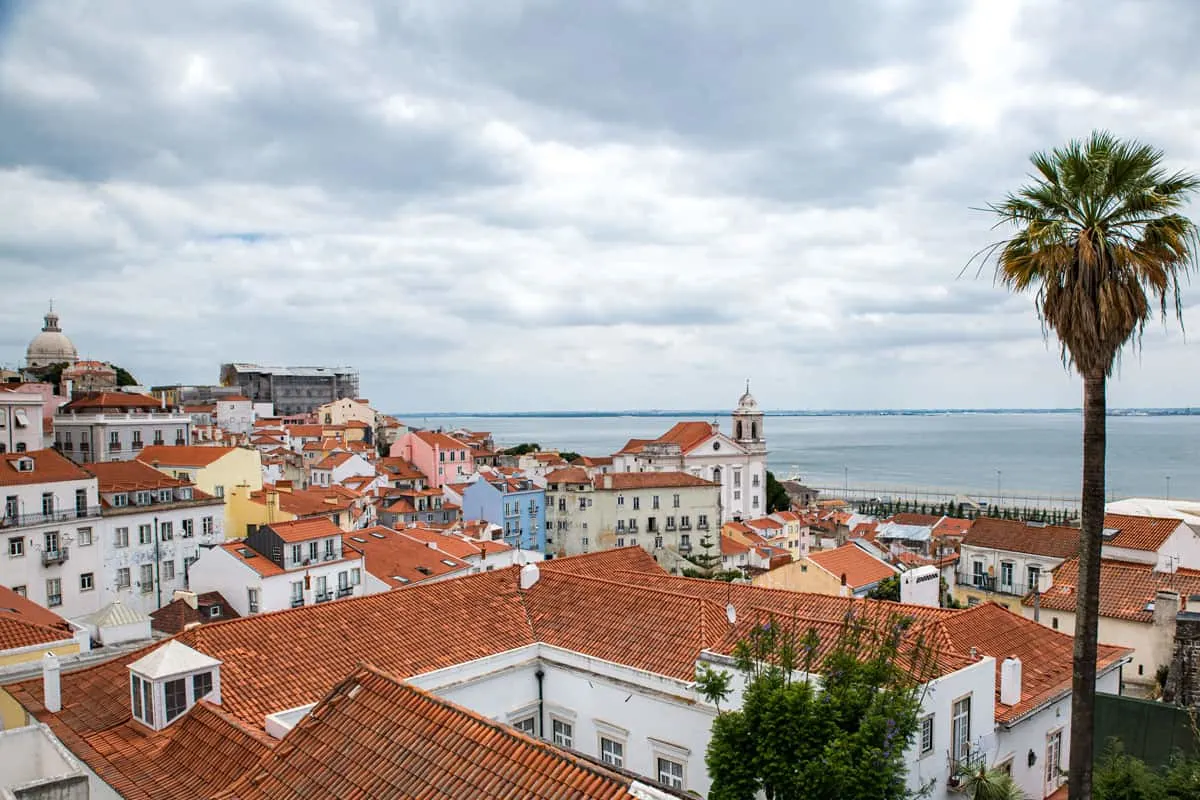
(51, 346)
(737, 460)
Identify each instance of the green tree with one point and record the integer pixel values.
(886, 589)
(124, 378)
(523, 449)
(1100, 242)
(570, 456)
(842, 737)
(777, 496)
(984, 783)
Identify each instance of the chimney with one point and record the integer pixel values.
(1166, 606)
(51, 685)
(188, 597)
(529, 575)
(1010, 681)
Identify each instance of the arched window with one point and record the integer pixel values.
(738, 430)
(753, 430)
(716, 475)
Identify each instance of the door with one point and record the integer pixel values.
(1053, 762)
(1006, 577)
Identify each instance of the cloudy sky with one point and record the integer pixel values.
(541, 204)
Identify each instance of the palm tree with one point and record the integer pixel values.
(1099, 239)
(981, 783)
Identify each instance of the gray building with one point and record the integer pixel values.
(115, 426)
(292, 390)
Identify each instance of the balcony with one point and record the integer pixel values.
(701, 526)
(958, 772)
(297, 602)
(670, 526)
(324, 597)
(685, 526)
(331, 556)
(55, 556)
(22, 520)
(685, 547)
(991, 584)
(344, 591)
(114, 447)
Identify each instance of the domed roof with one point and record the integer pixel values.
(51, 346)
(747, 402)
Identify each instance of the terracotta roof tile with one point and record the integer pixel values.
(49, 466)
(568, 475)
(1125, 588)
(122, 476)
(374, 736)
(400, 560)
(623, 481)
(1140, 533)
(178, 614)
(23, 623)
(440, 440)
(687, 434)
(858, 566)
(182, 455)
(1021, 537)
(100, 400)
(301, 530)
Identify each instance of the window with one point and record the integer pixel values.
(136, 694)
(620, 500)
(123, 578)
(926, 734)
(322, 587)
(1006, 575)
(12, 506)
(960, 729)
(16, 547)
(120, 500)
(329, 543)
(20, 591)
(252, 600)
(202, 684)
(670, 773)
(737, 479)
(344, 578)
(51, 540)
(121, 537)
(48, 503)
(206, 526)
(142, 498)
(166, 531)
(54, 592)
(654, 501)
(620, 524)
(297, 556)
(754, 502)
(137, 439)
(1054, 758)
(145, 534)
(83, 537)
(675, 501)
(978, 574)
(219, 491)
(1034, 571)
(612, 752)
(754, 480)
(168, 570)
(87, 582)
(189, 529)
(146, 578)
(637, 503)
(526, 725)
(81, 501)
(620, 541)
(562, 734)
(1054, 623)
(312, 551)
(702, 521)
(175, 697)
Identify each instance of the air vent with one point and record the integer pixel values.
(401, 579)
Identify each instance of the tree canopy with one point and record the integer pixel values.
(777, 496)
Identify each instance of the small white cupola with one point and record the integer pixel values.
(165, 683)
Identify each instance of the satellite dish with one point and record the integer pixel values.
(730, 613)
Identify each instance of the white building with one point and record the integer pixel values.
(335, 468)
(234, 414)
(738, 462)
(20, 421)
(669, 514)
(281, 565)
(558, 651)
(153, 528)
(49, 531)
(115, 426)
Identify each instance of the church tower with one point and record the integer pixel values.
(748, 424)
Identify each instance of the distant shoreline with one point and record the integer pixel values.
(897, 412)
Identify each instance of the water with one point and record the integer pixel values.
(970, 453)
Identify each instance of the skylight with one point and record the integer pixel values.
(358, 539)
(377, 536)
(401, 579)
(449, 563)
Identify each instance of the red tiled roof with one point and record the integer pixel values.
(567, 475)
(732, 547)
(1020, 537)
(333, 460)
(634, 446)
(906, 518)
(23, 623)
(1125, 588)
(247, 555)
(49, 466)
(122, 476)
(1140, 533)
(622, 481)
(93, 400)
(400, 560)
(301, 530)
(858, 566)
(178, 614)
(374, 736)
(452, 544)
(440, 440)
(687, 434)
(182, 455)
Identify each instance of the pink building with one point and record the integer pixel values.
(442, 458)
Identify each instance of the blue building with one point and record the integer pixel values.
(515, 504)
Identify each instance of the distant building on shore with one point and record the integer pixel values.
(292, 390)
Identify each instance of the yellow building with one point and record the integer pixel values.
(280, 503)
(215, 470)
(345, 411)
(27, 633)
(846, 571)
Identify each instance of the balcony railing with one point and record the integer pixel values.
(297, 602)
(685, 526)
(670, 526)
(324, 597)
(685, 547)
(21, 520)
(991, 584)
(344, 591)
(114, 447)
(55, 556)
(331, 556)
(702, 526)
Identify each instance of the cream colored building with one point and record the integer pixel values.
(214, 470)
(345, 410)
(672, 515)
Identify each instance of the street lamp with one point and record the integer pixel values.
(998, 474)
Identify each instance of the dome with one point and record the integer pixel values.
(747, 402)
(51, 346)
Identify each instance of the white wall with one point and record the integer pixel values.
(218, 571)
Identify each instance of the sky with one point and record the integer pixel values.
(570, 204)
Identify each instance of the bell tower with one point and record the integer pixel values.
(748, 423)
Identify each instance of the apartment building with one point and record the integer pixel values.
(672, 515)
(441, 458)
(516, 504)
(20, 420)
(291, 390)
(281, 565)
(49, 529)
(115, 426)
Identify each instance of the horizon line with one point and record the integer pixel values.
(1155, 410)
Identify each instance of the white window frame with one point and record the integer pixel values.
(121, 537)
(960, 740)
(606, 731)
(676, 754)
(926, 735)
(84, 537)
(522, 713)
(564, 739)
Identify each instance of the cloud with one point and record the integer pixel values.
(545, 204)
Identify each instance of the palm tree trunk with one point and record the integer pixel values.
(1087, 604)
